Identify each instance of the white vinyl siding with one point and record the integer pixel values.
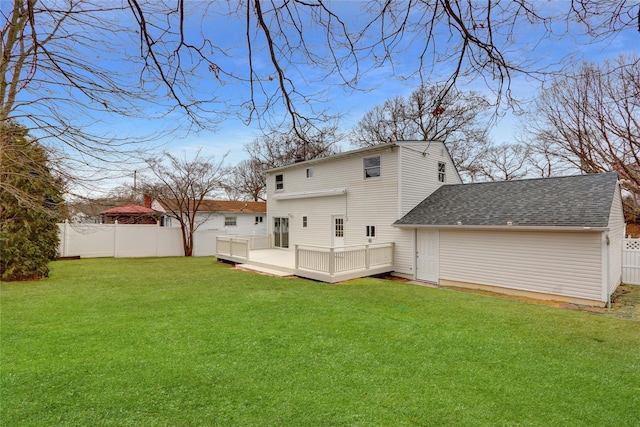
(367, 202)
(568, 264)
(420, 173)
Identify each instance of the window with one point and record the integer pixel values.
(230, 221)
(304, 222)
(371, 231)
(309, 172)
(339, 227)
(371, 167)
(441, 171)
(279, 182)
(259, 219)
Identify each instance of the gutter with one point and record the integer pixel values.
(346, 154)
(310, 194)
(504, 227)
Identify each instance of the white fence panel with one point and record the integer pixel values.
(169, 242)
(204, 242)
(631, 261)
(130, 240)
(86, 240)
(136, 241)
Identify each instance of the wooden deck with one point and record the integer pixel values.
(313, 262)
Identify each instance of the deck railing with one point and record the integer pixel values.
(237, 248)
(315, 262)
(338, 263)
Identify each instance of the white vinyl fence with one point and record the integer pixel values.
(631, 261)
(130, 241)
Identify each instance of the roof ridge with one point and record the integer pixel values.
(543, 178)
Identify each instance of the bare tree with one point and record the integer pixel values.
(469, 39)
(69, 67)
(281, 148)
(246, 182)
(181, 185)
(505, 162)
(590, 120)
(543, 161)
(62, 75)
(460, 120)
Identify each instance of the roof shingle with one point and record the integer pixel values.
(129, 210)
(571, 201)
(222, 206)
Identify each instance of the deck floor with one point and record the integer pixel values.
(274, 258)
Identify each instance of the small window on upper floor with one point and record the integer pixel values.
(441, 171)
(371, 231)
(279, 182)
(309, 172)
(371, 167)
(230, 221)
(305, 222)
(259, 219)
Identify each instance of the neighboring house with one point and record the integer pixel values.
(353, 198)
(550, 236)
(130, 214)
(227, 217)
(554, 236)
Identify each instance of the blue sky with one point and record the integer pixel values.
(228, 36)
(232, 134)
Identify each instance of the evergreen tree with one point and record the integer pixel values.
(30, 206)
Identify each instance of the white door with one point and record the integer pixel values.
(427, 256)
(337, 230)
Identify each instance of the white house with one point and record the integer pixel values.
(222, 216)
(553, 238)
(353, 198)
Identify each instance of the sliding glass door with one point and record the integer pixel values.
(281, 232)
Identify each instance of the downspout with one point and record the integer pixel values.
(608, 271)
(399, 183)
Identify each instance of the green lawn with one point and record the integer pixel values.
(189, 342)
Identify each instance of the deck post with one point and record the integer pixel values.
(367, 257)
(296, 257)
(332, 262)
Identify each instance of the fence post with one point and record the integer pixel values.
(65, 230)
(296, 256)
(158, 238)
(115, 238)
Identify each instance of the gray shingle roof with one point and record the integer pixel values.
(571, 201)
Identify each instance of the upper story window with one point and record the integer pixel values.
(230, 221)
(259, 219)
(279, 182)
(309, 172)
(304, 221)
(441, 171)
(371, 167)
